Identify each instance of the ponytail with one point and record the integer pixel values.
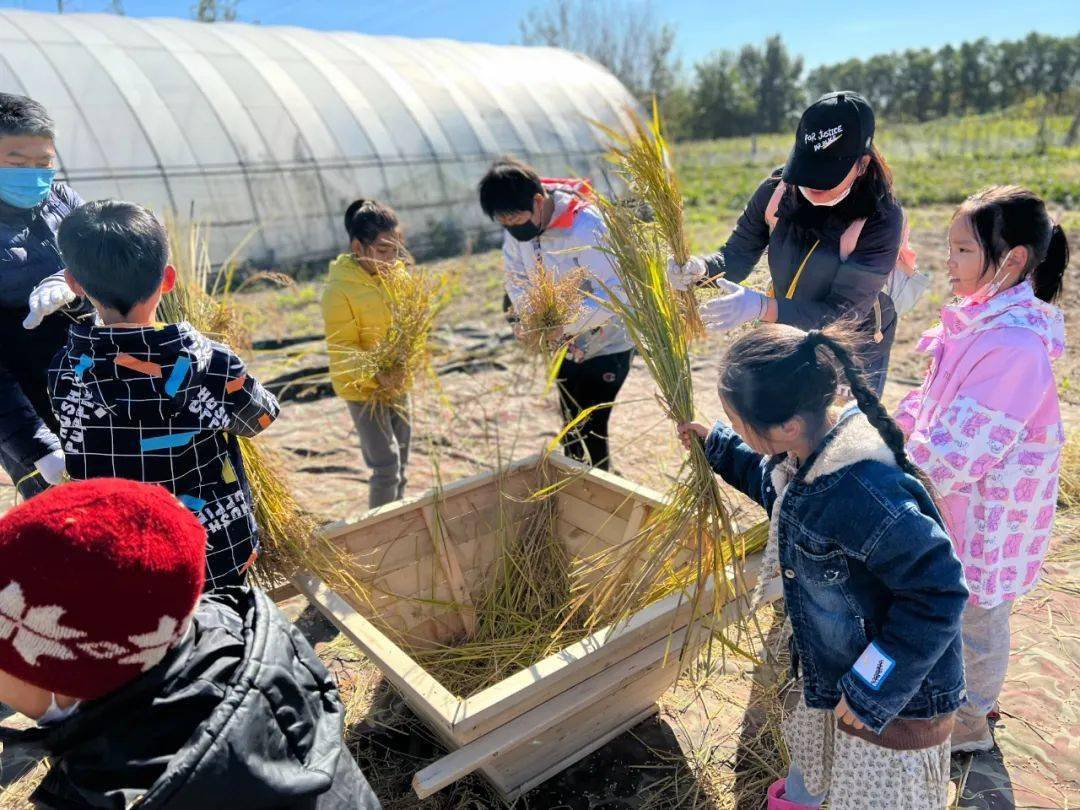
(1048, 276)
(366, 220)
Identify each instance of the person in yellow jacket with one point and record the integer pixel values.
(357, 315)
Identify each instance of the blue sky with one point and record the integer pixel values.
(822, 31)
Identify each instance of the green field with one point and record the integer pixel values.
(939, 162)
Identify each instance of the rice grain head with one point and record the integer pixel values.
(547, 306)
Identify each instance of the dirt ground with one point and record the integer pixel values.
(490, 406)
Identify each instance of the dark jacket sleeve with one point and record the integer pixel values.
(252, 408)
(733, 460)
(858, 280)
(744, 248)
(916, 563)
(23, 435)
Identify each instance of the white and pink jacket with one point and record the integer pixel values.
(986, 427)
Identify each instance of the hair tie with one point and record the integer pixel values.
(814, 337)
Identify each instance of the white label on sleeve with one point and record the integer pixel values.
(873, 666)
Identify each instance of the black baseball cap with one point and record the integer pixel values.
(834, 132)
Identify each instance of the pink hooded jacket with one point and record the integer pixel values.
(986, 427)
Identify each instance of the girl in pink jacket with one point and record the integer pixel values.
(986, 426)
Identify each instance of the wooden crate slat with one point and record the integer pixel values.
(527, 726)
(425, 696)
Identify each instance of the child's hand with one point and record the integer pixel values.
(390, 379)
(845, 715)
(688, 430)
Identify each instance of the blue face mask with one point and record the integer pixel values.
(25, 187)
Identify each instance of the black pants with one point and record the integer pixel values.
(582, 385)
(25, 356)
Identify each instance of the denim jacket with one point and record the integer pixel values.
(871, 584)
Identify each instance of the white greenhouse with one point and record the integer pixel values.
(271, 131)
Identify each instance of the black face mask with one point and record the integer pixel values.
(525, 232)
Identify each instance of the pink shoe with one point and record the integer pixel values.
(778, 802)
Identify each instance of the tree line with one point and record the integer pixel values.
(763, 88)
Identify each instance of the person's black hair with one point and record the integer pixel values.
(1004, 217)
(776, 372)
(366, 220)
(508, 187)
(20, 115)
(117, 251)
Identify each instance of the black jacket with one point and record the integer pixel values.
(28, 255)
(828, 289)
(164, 406)
(242, 714)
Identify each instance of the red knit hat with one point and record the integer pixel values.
(98, 580)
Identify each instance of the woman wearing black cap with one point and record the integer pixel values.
(833, 231)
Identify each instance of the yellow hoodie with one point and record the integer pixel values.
(357, 316)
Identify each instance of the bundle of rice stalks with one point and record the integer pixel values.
(692, 538)
(397, 361)
(642, 159)
(547, 306)
(290, 537)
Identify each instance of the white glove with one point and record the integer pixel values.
(683, 277)
(46, 298)
(737, 305)
(52, 467)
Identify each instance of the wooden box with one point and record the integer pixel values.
(424, 556)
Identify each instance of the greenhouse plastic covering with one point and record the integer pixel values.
(268, 132)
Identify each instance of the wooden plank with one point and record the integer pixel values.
(635, 521)
(592, 491)
(452, 569)
(614, 483)
(590, 518)
(364, 536)
(383, 514)
(514, 794)
(425, 696)
(564, 742)
(526, 727)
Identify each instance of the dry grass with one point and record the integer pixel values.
(1069, 492)
(547, 305)
(414, 299)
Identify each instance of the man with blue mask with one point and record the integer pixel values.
(33, 293)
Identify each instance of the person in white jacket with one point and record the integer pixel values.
(556, 222)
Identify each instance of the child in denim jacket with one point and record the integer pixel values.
(871, 585)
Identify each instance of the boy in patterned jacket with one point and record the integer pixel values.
(158, 403)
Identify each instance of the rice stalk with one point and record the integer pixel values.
(643, 159)
(290, 537)
(401, 356)
(1069, 484)
(547, 306)
(691, 538)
